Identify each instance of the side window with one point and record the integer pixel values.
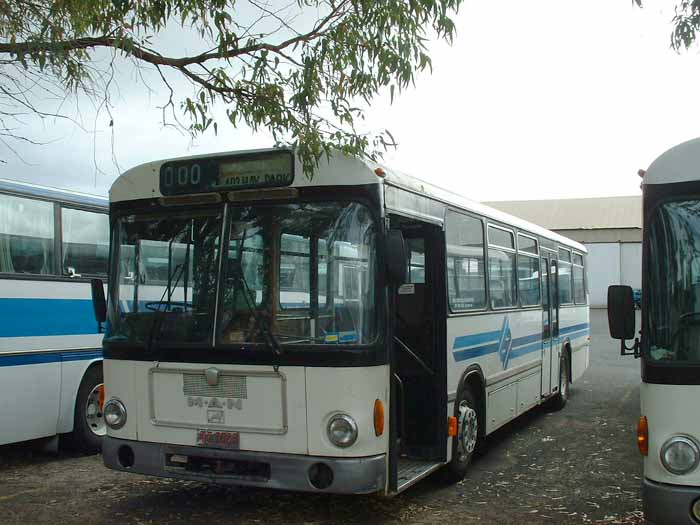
(26, 236)
(85, 242)
(528, 271)
(579, 285)
(466, 274)
(502, 283)
(565, 295)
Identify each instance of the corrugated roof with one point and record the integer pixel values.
(578, 214)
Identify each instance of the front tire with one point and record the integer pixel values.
(88, 420)
(562, 396)
(464, 444)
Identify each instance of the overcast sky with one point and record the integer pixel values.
(544, 99)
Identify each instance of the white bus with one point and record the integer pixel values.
(668, 432)
(349, 334)
(51, 242)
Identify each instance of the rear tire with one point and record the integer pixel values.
(562, 395)
(466, 441)
(88, 422)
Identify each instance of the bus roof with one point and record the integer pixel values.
(142, 182)
(55, 194)
(678, 164)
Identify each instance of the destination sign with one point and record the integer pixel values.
(248, 171)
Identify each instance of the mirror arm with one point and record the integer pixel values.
(634, 350)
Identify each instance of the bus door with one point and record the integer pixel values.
(550, 323)
(419, 393)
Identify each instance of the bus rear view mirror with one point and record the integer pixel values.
(99, 304)
(621, 312)
(395, 256)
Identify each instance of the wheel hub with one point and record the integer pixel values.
(468, 428)
(93, 411)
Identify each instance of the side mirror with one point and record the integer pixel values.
(621, 312)
(396, 257)
(99, 304)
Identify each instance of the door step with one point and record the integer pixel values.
(411, 471)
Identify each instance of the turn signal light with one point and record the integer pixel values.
(378, 418)
(451, 426)
(643, 435)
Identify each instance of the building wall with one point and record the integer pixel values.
(612, 263)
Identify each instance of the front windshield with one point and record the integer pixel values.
(673, 310)
(303, 273)
(166, 268)
(291, 274)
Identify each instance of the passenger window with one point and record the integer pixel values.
(498, 237)
(528, 280)
(527, 244)
(26, 236)
(85, 242)
(502, 278)
(565, 277)
(295, 271)
(466, 274)
(579, 280)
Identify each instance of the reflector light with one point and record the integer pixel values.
(378, 418)
(101, 396)
(643, 436)
(379, 172)
(452, 426)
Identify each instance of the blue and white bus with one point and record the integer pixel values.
(350, 334)
(51, 243)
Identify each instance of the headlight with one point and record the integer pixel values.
(680, 455)
(342, 430)
(114, 414)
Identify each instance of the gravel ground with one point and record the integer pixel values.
(579, 465)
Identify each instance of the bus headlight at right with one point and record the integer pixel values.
(342, 430)
(114, 414)
(680, 455)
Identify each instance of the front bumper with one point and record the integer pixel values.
(233, 467)
(668, 504)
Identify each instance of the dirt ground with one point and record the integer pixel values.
(579, 465)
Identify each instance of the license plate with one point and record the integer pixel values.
(215, 439)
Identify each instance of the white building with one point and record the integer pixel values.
(610, 227)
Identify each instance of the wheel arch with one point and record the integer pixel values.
(473, 378)
(71, 379)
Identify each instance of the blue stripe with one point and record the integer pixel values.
(53, 357)
(573, 328)
(462, 355)
(475, 339)
(42, 317)
(519, 352)
(519, 341)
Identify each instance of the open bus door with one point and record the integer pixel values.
(418, 441)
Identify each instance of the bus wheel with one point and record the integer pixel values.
(562, 396)
(88, 422)
(464, 444)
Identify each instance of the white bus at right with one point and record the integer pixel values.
(668, 431)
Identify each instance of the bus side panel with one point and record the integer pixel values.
(507, 346)
(29, 399)
(574, 327)
(44, 326)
